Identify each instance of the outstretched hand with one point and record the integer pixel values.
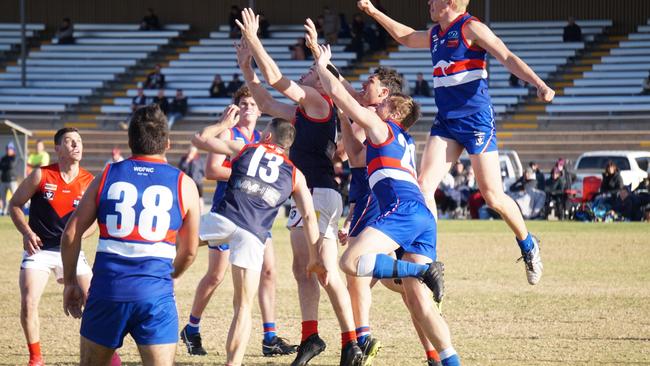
(311, 35)
(244, 55)
(250, 23)
(325, 55)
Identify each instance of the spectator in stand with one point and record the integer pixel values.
(382, 34)
(140, 100)
(572, 32)
(177, 108)
(235, 14)
(612, 181)
(155, 79)
(150, 21)
(192, 165)
(7, 175)
(65, 32)
(331, 26)
(116, 156)
(234, 85)
(320, 23)
(218, 88)
(357, 43)
(568, 177)
(39, 158)
(162, 101)
(422, 88)
(300, 51)
(626, 206)
(264, 26)
(345, 27)
(539, 176)
(556, 194)
(406, 86)
(531, 201)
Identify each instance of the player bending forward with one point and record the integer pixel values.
(148, 215)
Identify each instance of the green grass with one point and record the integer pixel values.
(592, 306)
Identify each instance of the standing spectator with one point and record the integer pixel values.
(162, 101)
(234, 85)
(357, 43)
(116, 156)
(150, 21)
(235, 14)
(331, 25)
(177, 108)
(192, 165)
(65, 33)
(345, 27)
(382, 34)
(155, 79)
(7, 175)
(422, 88)
(218, 88)
(612, 180)
(140, 100)
(572, 32)
(555, 193)
(320, 23)
(264, 26)
(538, 175)
(39, 158)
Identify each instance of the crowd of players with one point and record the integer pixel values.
(149, 219)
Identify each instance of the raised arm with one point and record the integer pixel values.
(206, 140)
(306, 96)
(403, 34)
(375, 128)
(263, 98)
(481, 35)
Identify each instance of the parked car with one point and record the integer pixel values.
(633, 166)
(511, 168)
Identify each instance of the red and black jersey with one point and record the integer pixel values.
(53, 203)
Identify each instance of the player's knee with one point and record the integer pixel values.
(348, 264)
(492, 198)
(268, 274)
(213, 280)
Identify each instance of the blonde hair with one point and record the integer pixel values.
(461, 5)
(407, 108)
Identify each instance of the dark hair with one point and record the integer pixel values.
(58, 136)
(407, 108)
(611, 163)
(242, 92)
(389, 78)
(283, 132)
(148, 131)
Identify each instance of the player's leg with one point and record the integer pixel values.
(245, 284)
(217, 266)
(423, 312)
(93, 354)
(32, 283)
(488, 176)
(158, 354)
(271, 344)
(438, 156)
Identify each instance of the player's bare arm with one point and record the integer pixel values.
(206, 141)
(31, 242)
(187, 242)
(375, 128)
(308, 97)
(82, 219)
(263, 98)
(401, 33)
(479, 34)
(351, 138)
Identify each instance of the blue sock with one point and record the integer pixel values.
(269, 331)
(449, 357)
(387, 267)
(527, 244)
(193, 326)
(363, 333)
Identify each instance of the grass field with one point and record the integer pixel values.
(592, 306)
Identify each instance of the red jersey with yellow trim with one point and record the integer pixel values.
(54, 202)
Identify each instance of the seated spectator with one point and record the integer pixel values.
(162, 101)
(612, 181)
(139, 100)
(155, 79)
(646, 85)
(177, 108)
(150, 21)
(572, 32)
(264, 26)
(65, 32)
(538, 175)
(556, 196)
(234, 85)
(568, 176)
(235, 14)
(39, 158)
(422, 88)
(531, 201)
(406, 88)
(218, 88)
(626, 206)
(299, 50)
(331, 26)
(116, 156)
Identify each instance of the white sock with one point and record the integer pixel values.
(447, 353)
(366, 265)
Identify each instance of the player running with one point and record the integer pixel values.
(262, 179)
(148, 215)
(55, 191)
(459, 44)
(405, 221)
(315, 121)
(218, 168)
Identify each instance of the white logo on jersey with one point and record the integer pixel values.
(443, 65)
(143, 169)
(480, 138)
